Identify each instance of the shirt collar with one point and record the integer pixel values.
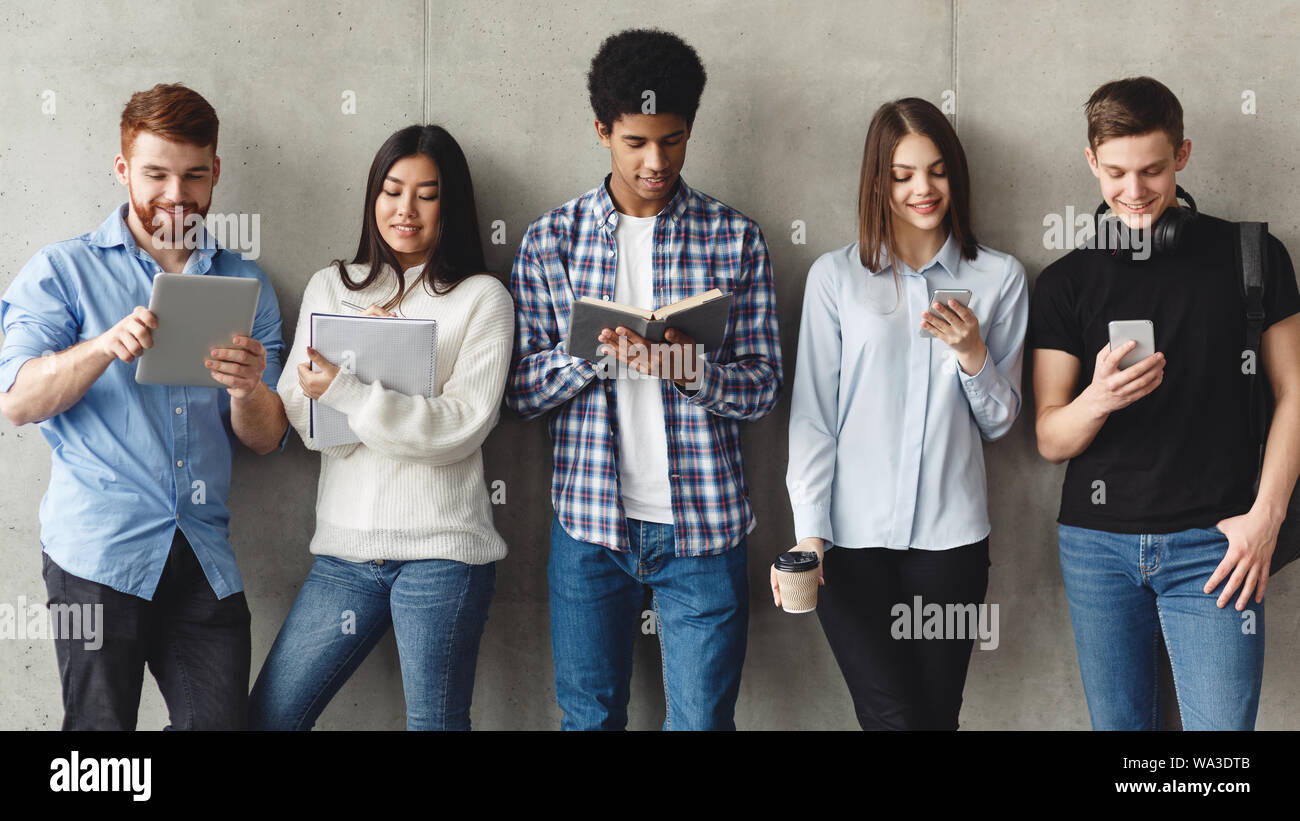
(113, 232)
(949, 257)
(676, 207)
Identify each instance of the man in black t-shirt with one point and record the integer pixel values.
(1160, 526)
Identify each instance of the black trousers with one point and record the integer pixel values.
(909, 683)
(197, 646)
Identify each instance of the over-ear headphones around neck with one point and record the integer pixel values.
(1165, 237)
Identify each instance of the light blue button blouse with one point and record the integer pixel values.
(885, 428)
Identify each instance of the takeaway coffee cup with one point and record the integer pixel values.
(796, 578)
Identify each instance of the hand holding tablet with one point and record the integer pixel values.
(238, 365)
(202, 319)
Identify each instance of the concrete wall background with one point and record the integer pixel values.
(779, 135)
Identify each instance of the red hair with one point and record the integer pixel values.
(172, 112)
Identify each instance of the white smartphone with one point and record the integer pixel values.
(941, 296)
(1142, 330)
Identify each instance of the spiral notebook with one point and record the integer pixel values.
(397, 352)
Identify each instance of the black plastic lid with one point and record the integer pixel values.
(794, 561)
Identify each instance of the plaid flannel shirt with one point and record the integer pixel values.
(699, 243)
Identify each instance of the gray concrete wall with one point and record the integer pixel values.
(779, 135)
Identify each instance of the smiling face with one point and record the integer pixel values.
(647, 152)
(407, 209)
(918, 190)
(1137, 175)
(160, 176)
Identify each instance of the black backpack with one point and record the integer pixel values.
(1252, 256)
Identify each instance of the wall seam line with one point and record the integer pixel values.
(424, 80)
(956, 98)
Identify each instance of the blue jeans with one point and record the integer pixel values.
(437, 608)
(701, 615)
(1124, 591)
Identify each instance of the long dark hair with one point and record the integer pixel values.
(457, 248)
(893, 121)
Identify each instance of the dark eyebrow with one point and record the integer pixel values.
(913, 168)
(153, 167)
(679, 132)
(1148, 167)
(391, 178)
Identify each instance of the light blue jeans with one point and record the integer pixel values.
(701, 616)
(1125, 590)
(437, 609)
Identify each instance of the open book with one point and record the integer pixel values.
(702, 317)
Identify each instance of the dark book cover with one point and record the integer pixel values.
(705, 322)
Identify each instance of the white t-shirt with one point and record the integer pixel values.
(642, 441)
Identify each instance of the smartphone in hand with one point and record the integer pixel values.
(1142, 330)
(941, 296)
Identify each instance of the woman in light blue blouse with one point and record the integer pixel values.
(893, 395)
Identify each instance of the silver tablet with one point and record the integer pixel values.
(196, 313)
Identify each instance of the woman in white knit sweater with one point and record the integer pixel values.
(404, 534)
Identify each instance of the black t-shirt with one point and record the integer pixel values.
(1182, 456)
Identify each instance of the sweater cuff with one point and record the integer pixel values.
(345, 394)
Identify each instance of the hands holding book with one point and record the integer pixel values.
(674, 359)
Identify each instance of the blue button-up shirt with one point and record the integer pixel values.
(131, 462)
(885, 427)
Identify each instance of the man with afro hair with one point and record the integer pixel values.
(648, 483)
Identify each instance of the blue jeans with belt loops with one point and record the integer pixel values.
(437, 609)
(1125, 590)
(701, 609)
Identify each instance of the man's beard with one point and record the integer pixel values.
(167, 233)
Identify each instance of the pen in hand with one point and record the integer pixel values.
(367, 311)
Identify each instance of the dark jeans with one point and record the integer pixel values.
(907, 683)
(197, 646)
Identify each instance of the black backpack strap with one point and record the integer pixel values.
(1252, 238)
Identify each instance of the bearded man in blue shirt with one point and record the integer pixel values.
(134, 525)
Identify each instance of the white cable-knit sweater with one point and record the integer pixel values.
(413, 488)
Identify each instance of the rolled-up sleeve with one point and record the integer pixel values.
(267, 330)
(38, 315)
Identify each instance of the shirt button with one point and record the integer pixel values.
(178, 411)
(180, 463)
(611, 252)
(605, 297)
